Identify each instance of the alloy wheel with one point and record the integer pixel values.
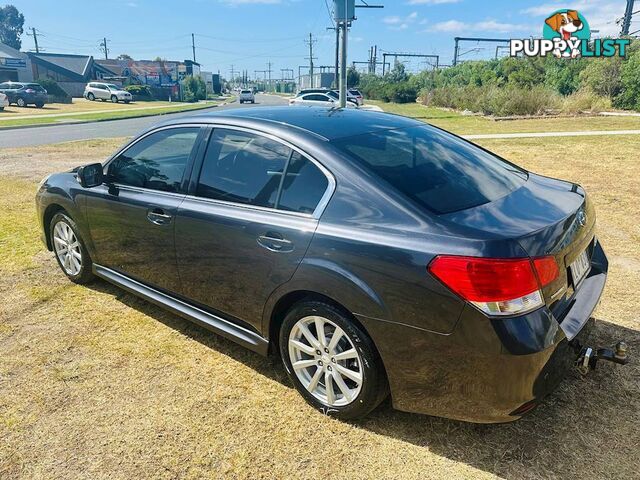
(67, 248)
(325, 361)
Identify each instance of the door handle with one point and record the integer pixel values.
(275, 242)
(158, 216)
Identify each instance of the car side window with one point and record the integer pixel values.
(317, 98)
(157, 162)
(242, 167)
(303, 187)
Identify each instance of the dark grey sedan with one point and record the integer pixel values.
(375, 254)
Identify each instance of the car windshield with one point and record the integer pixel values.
(437, 170)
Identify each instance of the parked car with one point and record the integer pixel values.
(356, 96)
(373, 253)
(24, 94)
(4, 102)
(247, 96)
(106, 91)
(318, 100)
(332, 93)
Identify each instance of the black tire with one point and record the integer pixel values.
(374, 387)
(85, 274)
(21, 102)
(127, 102)
(39, 105)
(114, 99)
(91, 97)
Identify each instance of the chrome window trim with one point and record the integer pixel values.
(131, 188)
(317, 213)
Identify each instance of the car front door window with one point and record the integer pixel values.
(156, 162)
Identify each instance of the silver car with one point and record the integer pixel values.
(106, 91)
(247, 96)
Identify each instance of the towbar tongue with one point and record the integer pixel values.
(589, 357)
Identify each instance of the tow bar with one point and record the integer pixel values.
(589, 356)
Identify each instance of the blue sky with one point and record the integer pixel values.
(250, 33)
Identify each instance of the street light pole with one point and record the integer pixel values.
(344, 26)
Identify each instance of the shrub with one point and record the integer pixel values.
(585, 100)
(494, 100)
(139, 90)
(193, 89)
(602, 76)
(52, 88)
(629, 96)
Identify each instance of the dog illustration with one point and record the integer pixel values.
(566, 24)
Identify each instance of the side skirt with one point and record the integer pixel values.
(216, 324)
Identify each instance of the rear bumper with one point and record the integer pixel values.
(487, 371)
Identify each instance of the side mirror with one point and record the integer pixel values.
(91, 175)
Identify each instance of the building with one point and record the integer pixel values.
(72, 72)
(155, 73)
(212, 81)
(320, 80)
(15, 66)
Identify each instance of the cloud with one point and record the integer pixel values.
(431, 2)
(250, 2)
(400, 23)
(484, 26)
(601, 15)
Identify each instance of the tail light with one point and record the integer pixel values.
(497, 286)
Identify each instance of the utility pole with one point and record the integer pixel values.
(626, 21)
(233, 75)
(311, 58)
(344, 26)
(34, 34)
(193, 47)
(104, 48)
(269, 72)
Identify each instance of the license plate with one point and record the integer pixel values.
(579, 268)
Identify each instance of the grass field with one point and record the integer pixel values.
(473, 124)
(95, 383)
(85, 110)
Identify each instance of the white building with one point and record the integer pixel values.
(15, 66)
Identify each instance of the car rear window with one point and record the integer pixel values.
(437, 170)
(246, 91)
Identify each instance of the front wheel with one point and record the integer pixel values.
(70, 251)
(331, 361)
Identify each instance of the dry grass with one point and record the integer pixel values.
(95, 383)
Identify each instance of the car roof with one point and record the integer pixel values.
(329, 123)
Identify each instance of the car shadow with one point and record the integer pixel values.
(588, 423)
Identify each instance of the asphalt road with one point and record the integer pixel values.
(115, 128)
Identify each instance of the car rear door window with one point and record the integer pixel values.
(157, 162)
(303, 187)
(242, 167)
(437, 170)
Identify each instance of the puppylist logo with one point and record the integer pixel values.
(566, 34)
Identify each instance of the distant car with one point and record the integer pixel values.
(332, 93)
(356, 96)
(4, 102)
(106, 91)
(23, 94)
(247, 96)
(319, 100)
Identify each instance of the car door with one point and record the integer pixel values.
(132, 216)
(101, 91)
(246, 224)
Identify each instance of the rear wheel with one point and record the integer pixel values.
(70, 251)
(91, 97)
(21, 102)
(331, 361)
(114, 99)
(39, 105)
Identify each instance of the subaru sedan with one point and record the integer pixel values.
(374, 254)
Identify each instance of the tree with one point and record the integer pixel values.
(353, 77)
(11, 23)
(398, 74)
(124, 56)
